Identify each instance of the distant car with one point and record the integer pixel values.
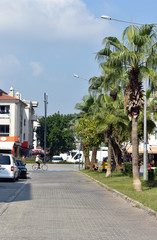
(57, 159)
(22, 168)
(8, 167)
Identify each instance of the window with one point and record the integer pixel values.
(4, 130)
(24, 136)
(4, 160)
(78, 156)
(24, 122)
(4, 109)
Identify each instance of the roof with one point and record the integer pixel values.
(5, 96)
(1, 91)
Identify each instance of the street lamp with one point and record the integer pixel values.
(45, 104)
(118, 20)
(145, 106)
(109, 18)
(77, 76)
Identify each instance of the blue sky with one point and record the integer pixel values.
(44, 42)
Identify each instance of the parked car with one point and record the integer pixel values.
(8, 167)
(22, 168)
(57, 159)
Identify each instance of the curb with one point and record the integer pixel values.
(128, 199)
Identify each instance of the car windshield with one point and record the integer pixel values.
(19, 163)
(57, 158)
(5, 160)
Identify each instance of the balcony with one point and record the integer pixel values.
(4, 115)
(4, 134)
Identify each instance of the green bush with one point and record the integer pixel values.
(128, 169)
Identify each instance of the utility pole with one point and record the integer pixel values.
(45, 105)
(145, 133)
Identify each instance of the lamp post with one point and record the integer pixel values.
(145, 105)
(77, 76)
(118, 20)
(45, 104)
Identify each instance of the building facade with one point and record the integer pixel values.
(16, 123)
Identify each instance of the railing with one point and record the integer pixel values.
(4, 115)
(4, 134)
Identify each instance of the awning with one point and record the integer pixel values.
(24, 144)
(6, 145)
(37, 151)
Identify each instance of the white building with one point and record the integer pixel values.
(16, 123)
(36, 142)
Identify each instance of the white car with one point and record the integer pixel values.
(8, 167)
(57, 159)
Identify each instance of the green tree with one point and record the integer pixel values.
(60, 137)
(112, 121)
(137, 57)
(87, 128)
(109, 83)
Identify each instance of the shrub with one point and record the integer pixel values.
(128, 169)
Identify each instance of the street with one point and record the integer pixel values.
(66, 205)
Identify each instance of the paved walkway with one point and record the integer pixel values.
(69, 206)
(60, 167)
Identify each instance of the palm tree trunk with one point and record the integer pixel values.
(86, 154)
(93, 160)
(108, 173)
(135, 155)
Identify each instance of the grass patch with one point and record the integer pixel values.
(124, 184)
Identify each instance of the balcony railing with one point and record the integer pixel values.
(4, 134)
(4, 115)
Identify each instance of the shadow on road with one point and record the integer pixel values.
(14, 191)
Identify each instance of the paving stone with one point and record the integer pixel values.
(68, 206)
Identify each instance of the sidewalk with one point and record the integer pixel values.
(59, 167)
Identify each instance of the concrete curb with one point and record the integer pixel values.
(128, 199)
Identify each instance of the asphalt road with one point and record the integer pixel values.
(66, 205)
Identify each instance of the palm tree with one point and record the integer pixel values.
(110, 116)
(86, 127)
(107, 83)
(137, 57)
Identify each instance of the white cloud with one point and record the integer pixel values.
(9, 65)
(37, 68)
(50, 19)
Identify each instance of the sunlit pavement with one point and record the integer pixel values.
(59, 167)
(66, 205)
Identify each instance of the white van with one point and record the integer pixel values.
(8, 167)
